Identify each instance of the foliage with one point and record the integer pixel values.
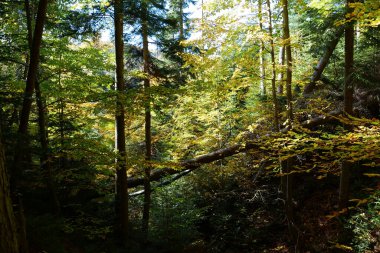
(365, 225)
(204, 97)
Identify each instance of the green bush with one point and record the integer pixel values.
(365, 226)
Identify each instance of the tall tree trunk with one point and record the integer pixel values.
(181, 28)
(22, 143)
(274, 93)
(148, 132)
(323, 62)
(289, 63)
(121, 205)
(8, 228)
(33, 67)
(263, 90)
(20, 150)
(288, 182)
(44, 158)
(348, 103)
(280, 77)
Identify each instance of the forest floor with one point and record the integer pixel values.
(261, 227)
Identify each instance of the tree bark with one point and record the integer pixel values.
(274, 93)
(181, 28)
(44, 158)
(289, 63)
(33, 67)
(148, 132)
(8, 227)
(289, 178)
(20, 148)
(121, 200)
(263, 90)
(323, 62)
(280, 77)
(348, 104)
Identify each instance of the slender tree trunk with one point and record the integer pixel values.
(21, 144)
(44, 159)
(121, 205)
(349, 66)
(181, 28)
(148, 132)
(289, 180)
(21, 150)
(288, 52)
(274, 94)
(8, 227)
(280, 77)
(323, 62)
(33, 67)
(263, 90)
(348, 104)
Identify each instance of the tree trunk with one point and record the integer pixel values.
(289, 208)
(121, 203)
(348, 104)
(20, 149)
(280, 77)
(274, 93)
(148, 134)
(8, 228)
(289, 63)
(349, 65)
(323, 62)
(181, 28)
(33, 67)
(263, 90)
(44, 158)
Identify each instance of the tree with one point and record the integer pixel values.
(274, 92)
(148, 125)
(348, 103)
(45, 159)
(121, 166)
(323, 62)
(29, 89)
(287, 164)
(8, 229)
(263, 89)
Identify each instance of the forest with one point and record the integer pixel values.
(184, 126)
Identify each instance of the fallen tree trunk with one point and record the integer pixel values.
(323, 62)
(196, 162)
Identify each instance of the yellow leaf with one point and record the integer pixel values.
(343, 247)
(371, 174)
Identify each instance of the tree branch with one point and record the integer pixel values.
(194, 163)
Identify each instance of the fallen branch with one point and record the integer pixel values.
(192, 164)
(323, 62)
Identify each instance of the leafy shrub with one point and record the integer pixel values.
(365, 225)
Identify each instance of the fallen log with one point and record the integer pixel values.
(194, 163)
(323, 62)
